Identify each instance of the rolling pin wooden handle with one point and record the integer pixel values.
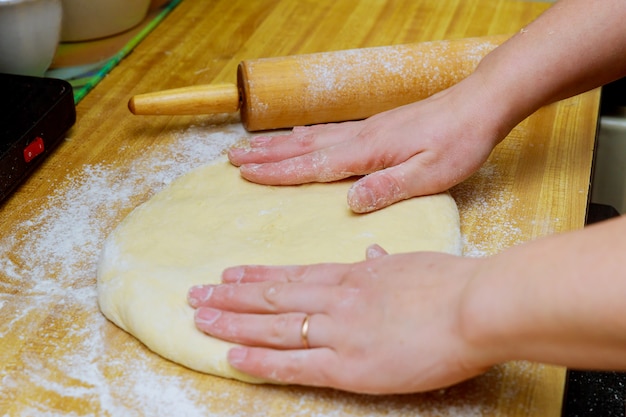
(201, 99)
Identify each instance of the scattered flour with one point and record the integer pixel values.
(47, 288)
(493, 228)
(54, 270)
(410, 71)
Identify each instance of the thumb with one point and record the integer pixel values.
(379, 189)
(375, 251)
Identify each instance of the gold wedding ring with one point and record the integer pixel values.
(304, 332)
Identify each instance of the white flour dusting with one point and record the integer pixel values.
(493, 229)
(388, 70)
(47, 289)
(55, 271)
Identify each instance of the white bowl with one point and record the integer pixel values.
(92, 19)
(29, 35)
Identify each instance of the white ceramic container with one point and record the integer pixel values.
(92, 19)
(29, 35)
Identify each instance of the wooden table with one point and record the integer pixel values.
(58, 355)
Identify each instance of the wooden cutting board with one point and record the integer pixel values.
(59, 356)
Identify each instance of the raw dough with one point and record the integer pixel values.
(211, 218)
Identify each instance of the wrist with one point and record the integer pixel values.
(553, 300)
(483, 318)
(480, 101)
(504, 103)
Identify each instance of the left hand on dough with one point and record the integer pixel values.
(390, 324)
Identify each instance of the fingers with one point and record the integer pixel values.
(269, 297)
(391, 178)
(378, 190)
(316, 154)
(303, 367)
(260, 273)
(418, 176)
(278, 331)
(301, 140)
(327, 273)
(319, 274)
(375, 251)
(317, 166)
(320, 367)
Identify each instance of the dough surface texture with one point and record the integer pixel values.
(211, 218)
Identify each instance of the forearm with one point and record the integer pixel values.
(558, 300)
(575, 46)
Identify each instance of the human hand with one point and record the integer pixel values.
(418, 149)
(390, 324)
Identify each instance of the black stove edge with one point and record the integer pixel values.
(594, 393)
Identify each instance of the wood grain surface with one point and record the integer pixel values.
(59, 356)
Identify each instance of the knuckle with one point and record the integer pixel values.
(229, 327)
(306, 141)
(222, 294)
(347, 296)
(271, 295)
(395, 185)
(279, 329)
(295, 368)
(298, 273)
(341, 375)
(224, 326)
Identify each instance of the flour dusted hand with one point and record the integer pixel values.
(419, 149)
(376, 326)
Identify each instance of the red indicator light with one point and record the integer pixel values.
(33, 149)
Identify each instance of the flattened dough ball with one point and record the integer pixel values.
(211, 218)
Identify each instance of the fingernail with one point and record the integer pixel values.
(241, 156)
(361, 199)
(233, 275)
(207, 316)
(374, 251)
(199, 294)
(237, 355)
(250, 167)
(260, 140)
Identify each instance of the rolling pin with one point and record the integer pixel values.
(299, 90)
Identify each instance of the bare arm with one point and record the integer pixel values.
(573, 47)
(559, 300)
